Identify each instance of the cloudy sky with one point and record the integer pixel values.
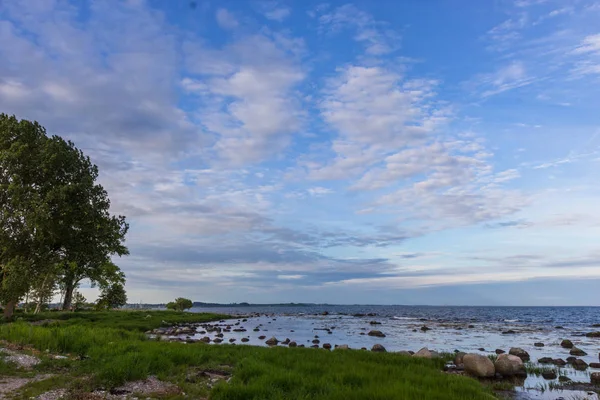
(382, 152)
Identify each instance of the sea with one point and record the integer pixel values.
(441, 328)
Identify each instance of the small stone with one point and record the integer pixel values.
(217, 340)
(577, 352)
(316, 341)
(538, 344)
(481, 349)
(374, 323)
(378, 348)
(549, 374)
(580, 365)
(262, 337)
(509, 332)
(567, 344)
(425, 328)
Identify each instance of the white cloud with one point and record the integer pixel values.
(226, 20)
(290, 277)
(509, 77)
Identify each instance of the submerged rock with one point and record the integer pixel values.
(479, 366)
(376, 333)
(567, 344)
(577, 352)
(551, 374)
(509, 365)
(272, 342)
(580, 365)
(519, 352)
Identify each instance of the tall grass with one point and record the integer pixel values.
(112, 356)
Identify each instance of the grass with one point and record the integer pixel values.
(140, 321)
(110, 355)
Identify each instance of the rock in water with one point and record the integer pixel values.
(479, 366)
(500, 351)
(509, 365)
(567, 344)
(593, 334)
(580, 365)
(577, 352)
(327, 346)
(559, 362)
(272, 342)
(245, 340)
(423, 353)
(594, 365)
(545, 360)
(595, 378)
(519, 352)
(551, 374)
(538, 344)
(378, 348)
(376, 333)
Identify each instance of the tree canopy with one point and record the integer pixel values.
(180, 304)
(55, 220)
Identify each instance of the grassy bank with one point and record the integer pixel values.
(111, 356)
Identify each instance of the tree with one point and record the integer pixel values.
(79, 301)
(180, 304)
(51, 213)
(112, 296)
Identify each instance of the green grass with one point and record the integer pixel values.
(129, 320)
(111, 356)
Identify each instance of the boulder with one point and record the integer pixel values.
(205, 339)
(245, 340)
(577, 352)
(231, 340)
(509, 365)
(559, 362)
(286, 341)
(327, 346)
(272, 342)
(458, 358)
(567, 344)
(571, 359)
(376, 333)
(479, 366)
(594, 365)
(500, 351)
(538, 344)
(293, 344)
(550, 374)
(546, 360)
(316, 341)
(423, 353)
(519, 352)
(378, 348)
(593, 334)
(595, 378)
(217, 340)
(580, 365)
(342, 347)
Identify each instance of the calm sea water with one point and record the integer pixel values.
(573, 317)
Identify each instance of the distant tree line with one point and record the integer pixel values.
(56, 229)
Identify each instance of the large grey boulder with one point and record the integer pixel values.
(423, 353)
(509, 365)
(479, 366)
(378, 348)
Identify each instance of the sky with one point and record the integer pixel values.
(377, 152)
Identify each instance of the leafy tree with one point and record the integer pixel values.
(180, 304)
(79, 300)
(112, 296)
(51, 213)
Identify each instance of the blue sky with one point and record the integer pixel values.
(413, 152)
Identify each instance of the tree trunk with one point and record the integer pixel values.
(69, 289)
(9, 309)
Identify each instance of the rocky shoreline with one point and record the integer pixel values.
(514, 364)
